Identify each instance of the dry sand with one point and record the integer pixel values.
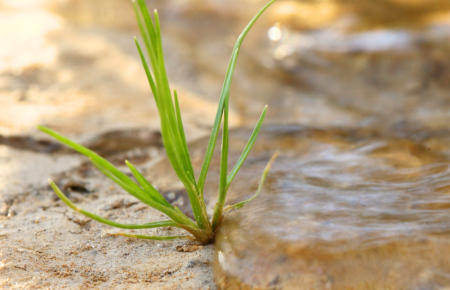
(45, 245)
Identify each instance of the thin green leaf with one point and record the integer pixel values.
(94, 157)
(171, 130)
(133, 188)
(217, 214)
(224, 181)
(169, 127)
(176, 151)
(247, 149)
(224, 157)
(223, 96)
(147, 29)
(102, 220)
(147, 186)
(151, 81)
(120, 178)
(170, 211)
(81, 149)
(142, 28)
(260, 186)
(157, 238)
(184, 146)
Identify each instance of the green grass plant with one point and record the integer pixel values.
(203, 228)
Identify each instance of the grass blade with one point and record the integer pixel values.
(223, 96)
(183, 137)
(180, 161)
(172, 131)
(106, 221)
(146, 185)
(147, 29)
(160, 87)
(217, 214)
(157, 238)
(171, 125)
(133, 189)
(151, 81)
(120, 178)
(104, 165)
(247, 149)
(260, 186)
(169, 210)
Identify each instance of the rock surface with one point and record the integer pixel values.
(341, 210)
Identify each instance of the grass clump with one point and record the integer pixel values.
(203, 229)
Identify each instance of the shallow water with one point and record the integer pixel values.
(340, 211)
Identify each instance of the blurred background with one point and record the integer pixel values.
(72, 64)
(381, 66)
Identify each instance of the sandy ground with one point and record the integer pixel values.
(45, 245)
